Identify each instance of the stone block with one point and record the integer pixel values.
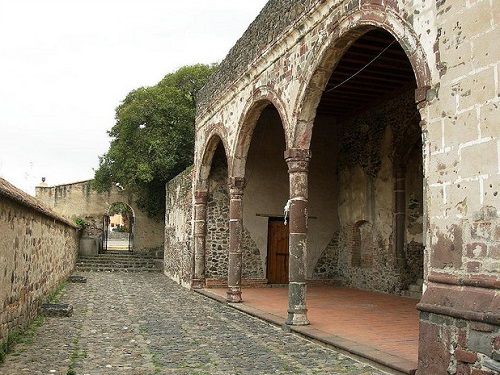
(479, 342)
(435, 135)
(461, 128)
(56, 310)
(475, 89)
(479, 159)
(489, 117)
(465, 356)
(482, 52)
(77, 279)
(476, 250)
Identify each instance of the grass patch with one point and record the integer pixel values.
(25, 336)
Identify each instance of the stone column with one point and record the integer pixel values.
(200, 233)
(298, 167)
(236, 186)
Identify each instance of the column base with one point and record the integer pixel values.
(197, 284)
(297, 310)
(297, 318)
(234, 295)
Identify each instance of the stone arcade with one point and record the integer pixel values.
(376, 123)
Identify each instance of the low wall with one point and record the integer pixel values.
(38, 250)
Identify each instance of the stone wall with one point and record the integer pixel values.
(217, 243)
(178, 253)
(38, 250)
(80, 200)
(361, 251)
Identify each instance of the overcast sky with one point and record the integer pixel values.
(65, 65)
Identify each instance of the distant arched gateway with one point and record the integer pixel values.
(360, 153)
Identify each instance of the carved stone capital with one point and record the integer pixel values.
(236, 187)
(297, 159)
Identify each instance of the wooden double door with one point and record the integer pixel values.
(277, 251)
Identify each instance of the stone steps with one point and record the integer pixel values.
(102, 268)
(114, 262)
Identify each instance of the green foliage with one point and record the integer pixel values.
(120, 208)
(81, 223)
(153, 138)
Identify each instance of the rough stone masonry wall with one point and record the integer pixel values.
(38, 250)
(178, 253)
(367, 151)
(217, 243)
(81, 200)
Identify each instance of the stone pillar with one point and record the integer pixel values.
(236, 186)
(200, 233)
(298, 168)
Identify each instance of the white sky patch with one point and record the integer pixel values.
(65, 65)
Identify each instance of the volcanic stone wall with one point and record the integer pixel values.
(217, 245)
(38, 250)
(361, 253)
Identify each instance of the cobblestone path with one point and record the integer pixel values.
(146, 324)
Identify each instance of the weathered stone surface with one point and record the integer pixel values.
(38, 249)
(56, 309)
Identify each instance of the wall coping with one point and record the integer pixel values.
(11, 192)
(67, 184)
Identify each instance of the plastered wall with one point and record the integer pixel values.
(81, 200)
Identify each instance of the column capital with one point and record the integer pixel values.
(297, 159)
(200, 197)
(236, 185)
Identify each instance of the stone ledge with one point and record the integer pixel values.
(462, 302)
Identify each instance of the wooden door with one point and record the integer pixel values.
(277, 252)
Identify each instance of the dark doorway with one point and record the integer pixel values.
(277, 251)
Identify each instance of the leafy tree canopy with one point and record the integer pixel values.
(153, 137)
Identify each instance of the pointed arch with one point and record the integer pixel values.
(216, 136)
(262, 97)
(329, 54)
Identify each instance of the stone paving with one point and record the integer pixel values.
(146, 324)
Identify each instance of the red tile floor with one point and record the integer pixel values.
(385, 322)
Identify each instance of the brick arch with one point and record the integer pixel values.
(217, 135)
(260, 99)
(346, 32)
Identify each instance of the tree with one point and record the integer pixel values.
(153, 138)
